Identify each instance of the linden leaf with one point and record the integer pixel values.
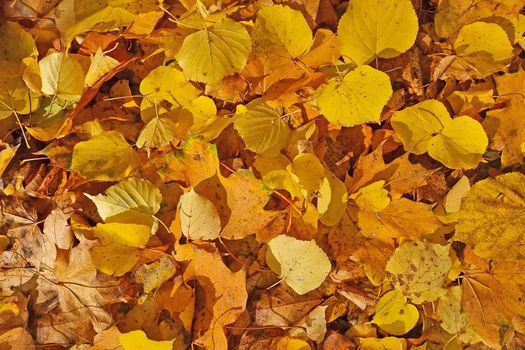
(301, 264)
(417, 124)
(419, 270)
(262, 128)
(483, 48)
(62, 76)
(105, 157)
(198, 217)
(114, 259)
(129, 235)
(137, 340)
(358, 98)
(492, 217)
(373, 197)
(280, 29)
(212, 53)
(461, 144)
(118, 252)
(158, 132)
(133, 194)
(427, 127)
(394, 315)
(377, 28)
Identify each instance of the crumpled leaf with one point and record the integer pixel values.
(492, 217)
(356, 99)
(314, 324)
(198, 217)
(301, 264)
(212, 53)
(105, 157)
(419, 270)
(377, 28)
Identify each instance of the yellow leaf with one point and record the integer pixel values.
(492, 217)
(377, 28)
(114, 259)
(17, 44)
(129, 235)
(402, 218)
(452, 15)
(198, 217)
(427, 127)
(358, 98)
(394, 315)
(61, 76)
(137, 340)
(309, 172)
(212, 53)
(246, 197)
(476, 100)
(157, 88)
(5, 157)
(158, 132)
(314, 325)
(416, 125)
(301, 264)
(461, 144)
(453, 320)
(503, 125)
(132, 194)
(387, 343)
(292, 344)
(332, 200)
(372, 198)
(152, 276)
(197, 161)
(279, 27)
(105, 157)
(100, 65)
(262, 128)
(419, 270)
(483, 48)
(456, 194)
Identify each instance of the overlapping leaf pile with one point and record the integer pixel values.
(293, 174)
